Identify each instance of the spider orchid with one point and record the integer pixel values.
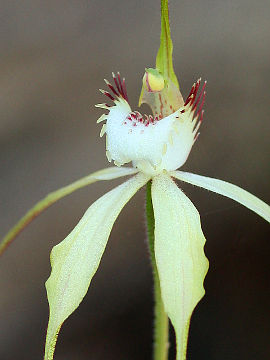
(156, 145)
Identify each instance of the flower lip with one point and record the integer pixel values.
(150, 141)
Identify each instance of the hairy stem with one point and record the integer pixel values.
(161, 343)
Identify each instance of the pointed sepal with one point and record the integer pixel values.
(75, 260)
(229, 190)
(164, 61)
(181, 263)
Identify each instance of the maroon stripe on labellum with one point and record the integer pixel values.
(200, 96)
(119, 89)
(199, 102)
(136, 117)
(201, 116)
(106, 93)
(195, 91)
(198, 83)
(116, 83)
(124, 89)
(120, 83)
(196, 99)
(191, 92)
(202, 103)
(112, 88)
(122, 86)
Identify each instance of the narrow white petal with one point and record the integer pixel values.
(114, 173)
(226, 189)
(75, 260)
(105, 174)
(180, 258)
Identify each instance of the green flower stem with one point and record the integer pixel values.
(161, 327)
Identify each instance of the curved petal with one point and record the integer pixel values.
(75, 260)
(180, 258)
(226, 189)
(105, 174)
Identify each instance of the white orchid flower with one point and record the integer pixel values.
(156, 145)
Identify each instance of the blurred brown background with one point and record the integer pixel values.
(54, 56)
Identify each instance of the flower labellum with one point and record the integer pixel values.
(152, 142)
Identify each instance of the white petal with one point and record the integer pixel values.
(180, 258)
(226, 189)
(114, 173)
(75, 260)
